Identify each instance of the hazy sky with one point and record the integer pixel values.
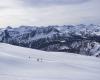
(49, 12)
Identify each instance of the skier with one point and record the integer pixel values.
(38, 59)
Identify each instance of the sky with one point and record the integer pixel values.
(48, 12)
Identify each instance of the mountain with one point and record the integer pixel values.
(79, 39)
(19, 63)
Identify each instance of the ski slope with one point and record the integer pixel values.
(18, 63)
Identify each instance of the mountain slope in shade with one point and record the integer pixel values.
(80, 39)
(18, 63)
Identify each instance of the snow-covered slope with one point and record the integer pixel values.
(18, 63)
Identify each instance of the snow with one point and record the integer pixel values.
(18, 63)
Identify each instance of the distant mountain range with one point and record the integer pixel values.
(80, 39)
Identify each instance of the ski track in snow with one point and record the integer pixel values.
(18, 63)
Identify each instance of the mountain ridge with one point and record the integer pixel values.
(80, 39)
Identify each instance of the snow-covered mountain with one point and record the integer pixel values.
(18, 63)
(80, 39)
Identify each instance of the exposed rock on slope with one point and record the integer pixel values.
(80, 39)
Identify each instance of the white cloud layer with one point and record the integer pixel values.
(57, 12)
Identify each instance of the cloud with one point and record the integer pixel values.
(49, 12)
(39, 3)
